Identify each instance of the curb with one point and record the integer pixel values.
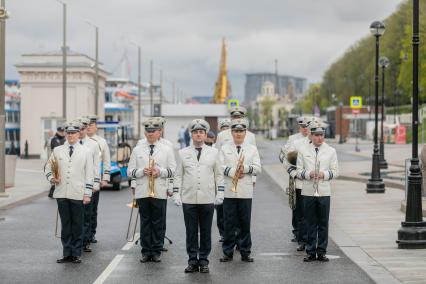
(24, 200)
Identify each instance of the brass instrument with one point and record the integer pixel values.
(54, 166)
(291, 189)
(56, 226)
(316, 178)
(236, 177)
(151, 184)
(133, 205)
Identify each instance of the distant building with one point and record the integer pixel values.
(13, 115)
(41, 89)
(200, 100)
(293, 87)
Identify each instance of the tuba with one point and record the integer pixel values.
(291, 189)
(236, 177)
(151, 183)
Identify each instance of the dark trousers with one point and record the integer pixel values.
(94, 222)
(164, 225)
(87, 224)
(298, 219)
(237, 214)
(317, 211)
(151, 211)
(198, 216)
(219, 219)
(71, 213)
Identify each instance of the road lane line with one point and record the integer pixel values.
(130, 244)
(112, 265)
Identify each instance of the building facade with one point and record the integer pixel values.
(13, 116)
(41, 89)
(285, 86)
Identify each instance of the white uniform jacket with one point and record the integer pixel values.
(295, 143)
(327, 158)
(164, 161)
(95, 149)
(105, 156)
(198, 181)
(75, 172)
(225, 137)
(228, 157)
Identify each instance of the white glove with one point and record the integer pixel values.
(139, 173)
(176, 199)
(219, 198)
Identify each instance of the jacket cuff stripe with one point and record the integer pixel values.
(175, 189)
(220, 188)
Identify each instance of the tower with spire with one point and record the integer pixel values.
(222, 90)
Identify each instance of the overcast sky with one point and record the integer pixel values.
(183, 37)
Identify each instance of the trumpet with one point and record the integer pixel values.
(316, 178)
(151, 184)
(236, 177)
(54, 166)
(133, 205)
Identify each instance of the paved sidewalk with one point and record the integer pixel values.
(365, 226)
(30, 182)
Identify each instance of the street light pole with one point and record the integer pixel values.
(412, 234)
(139, 89)
(384, 63)
(3, 17)
(96, 66)
(341, 123)
(161, 90)
(375, 184)
(151, 89)
(64, 60)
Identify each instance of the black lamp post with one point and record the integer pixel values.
(375, 184)
(412, 234)
(384, 63)
(341, 141)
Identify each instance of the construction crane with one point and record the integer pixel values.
(222, 90)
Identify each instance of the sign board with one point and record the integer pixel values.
(356, 102)
(356, 111)
(233, 103)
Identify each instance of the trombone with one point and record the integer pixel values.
(236, 176)
(57, 224)
(133, 205)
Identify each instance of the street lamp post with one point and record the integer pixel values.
(412, 234)
(64, 60)
(384, 63)
(375, 184)
(96, 67)
(3, 17)
(139, 90)
(151, 90)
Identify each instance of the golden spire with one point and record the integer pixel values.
(222, 90)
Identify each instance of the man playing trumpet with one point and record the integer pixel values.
(151, 188)
(74, 186)
(240, 162)
(317, 166)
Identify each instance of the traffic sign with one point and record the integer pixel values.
(233, 103)
(356, 102)
(356, 111)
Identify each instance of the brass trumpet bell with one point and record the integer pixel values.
(132, 204)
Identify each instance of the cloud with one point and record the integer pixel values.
(183, 37)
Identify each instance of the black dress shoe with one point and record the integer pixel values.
(87, 248)
(145, 258)
(221, 239)
(93, 241)
(301, 248)
(156, 258)
(204, 269)
(191, 268)
(310, 258)
(226, 258)
(322, 257)
(164, 249)
(65, 259)
(247, 258)
(293, 240)
(76, 259)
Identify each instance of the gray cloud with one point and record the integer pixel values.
(183, 36)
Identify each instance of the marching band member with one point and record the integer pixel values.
(239, 161)
(94, 147)
(224, 124)
(151, 163)
(198, 185)
(225, 136)
(297, 213)
(317, 165)
(73, 190)
(106, 166)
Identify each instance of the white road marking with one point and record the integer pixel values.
(112, 265)
(275, 254)
(130, 244)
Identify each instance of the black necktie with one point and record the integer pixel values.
(316, 150)
(81, 142)
(199, 153)
(152, 150)
(71, 150)
(238, 149)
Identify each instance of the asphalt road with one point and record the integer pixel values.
(29, 249)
